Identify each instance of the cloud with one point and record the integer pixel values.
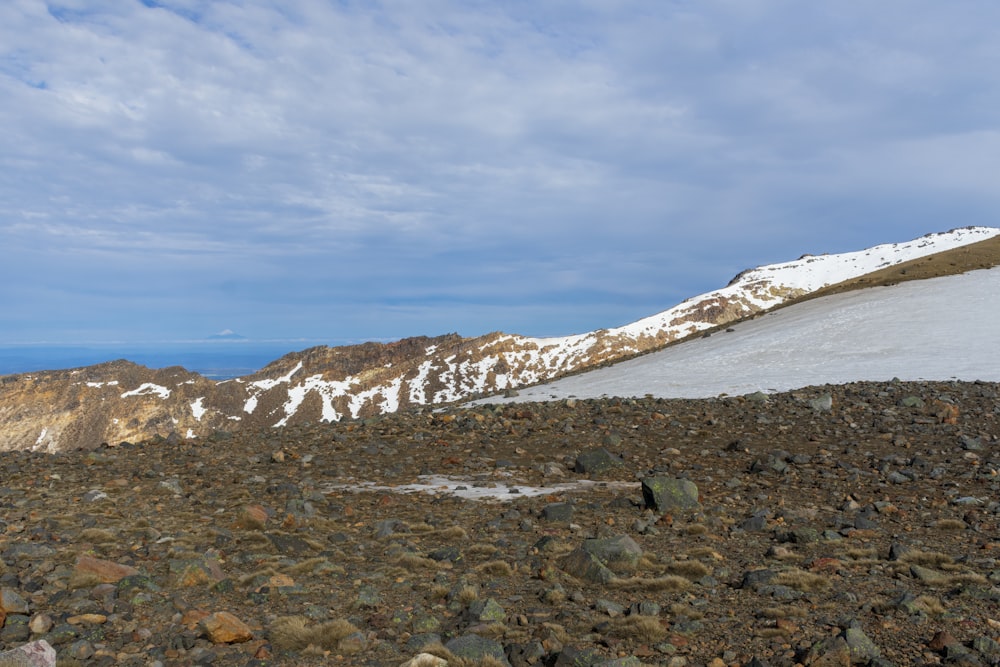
(527, 166)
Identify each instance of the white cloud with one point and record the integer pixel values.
(306, 147)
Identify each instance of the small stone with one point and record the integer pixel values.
(666, 493)
(368, 597)
(586, 566)
(224, 628)
(40, 624)
(425, 660)
(862, 648)
(196, 571)
(352, 643)
(594, 461)
(87, 619)
(941, 640)
(105, 571)
(251, 517)
(557, 512)
(173, 485)
(618, 553)
(822, 403)
(475, 648)
(832, 652)
(11, 602)
(487, 611)
(79, 650)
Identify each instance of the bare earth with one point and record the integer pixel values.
(861, 529)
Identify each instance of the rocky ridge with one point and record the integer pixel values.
(120, 401)
(834, 525)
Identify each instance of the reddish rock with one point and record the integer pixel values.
(252, 517)
(224, 628)
(192, 617)
(106, 571)
(941, 639)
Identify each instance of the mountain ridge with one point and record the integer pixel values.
(121, 401)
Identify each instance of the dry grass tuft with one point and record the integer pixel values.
(861, 554)
(670, 582)
(950, 524)
(771, 633)
(97, 536)
(689, 569)
(481, 549)
(966, 579)
(308, 566)
(467, 594)
(695, 529)
(420, 527)
(266, 573)
(295, 633)
(496, 568)
(803, 581)
(930, 605)
(438, 592)
(681, 609)
(554, 596)
(782, 612)
(639, 628)
(927, 558)
(412, 561)
(705, 552)
(258, 539)
(452, 533)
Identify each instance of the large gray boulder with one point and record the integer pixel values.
(668, 493)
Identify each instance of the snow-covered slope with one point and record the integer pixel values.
(764, 288)
(938, 329)
(121, 401)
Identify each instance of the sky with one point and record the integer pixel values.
(346, 171)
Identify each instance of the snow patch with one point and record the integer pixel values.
(474, 490)
(148, 389)
(198, 408)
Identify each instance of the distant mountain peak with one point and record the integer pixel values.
(227, 334)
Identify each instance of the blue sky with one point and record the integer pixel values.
(365, 170)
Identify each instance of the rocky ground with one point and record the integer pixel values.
(833, 526)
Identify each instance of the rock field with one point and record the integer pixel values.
(841, 525)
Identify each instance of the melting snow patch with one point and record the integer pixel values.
(472, 490)
(198, 408)
(147, 389)
(41, 436)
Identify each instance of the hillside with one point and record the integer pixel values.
(120, 401)
(854, 524)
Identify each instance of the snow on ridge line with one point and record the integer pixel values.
(812, 272)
